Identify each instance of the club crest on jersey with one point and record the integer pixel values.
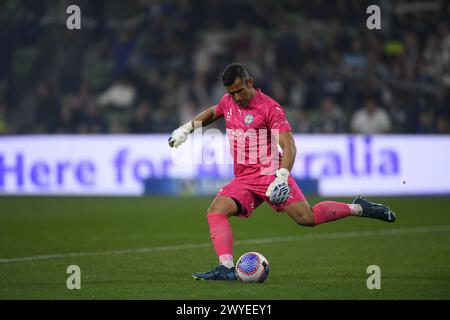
(248, 119)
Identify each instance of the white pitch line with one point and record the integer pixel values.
(320, 236)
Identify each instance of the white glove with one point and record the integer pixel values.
(180, 135)
(279, 191)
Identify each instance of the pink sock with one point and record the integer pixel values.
(221, 236)
(330, 210)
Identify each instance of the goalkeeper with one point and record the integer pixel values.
(261, 172)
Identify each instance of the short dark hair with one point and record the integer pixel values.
(233, 71)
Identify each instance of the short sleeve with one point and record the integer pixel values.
(219, 107)
(276, 119)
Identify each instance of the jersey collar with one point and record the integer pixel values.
(253, 101)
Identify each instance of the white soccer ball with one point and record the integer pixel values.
(252, 267)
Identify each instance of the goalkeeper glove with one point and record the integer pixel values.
(180, 135)
(279, 191)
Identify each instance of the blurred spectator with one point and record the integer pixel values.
(120, 95)
(287, 47)
(67, 122)
(3, 124)
(355, 60)
(370, 119)
(442, 125)
(92, 121)
(426, 122)
(47, 111)
(142, 119)
(330, 118)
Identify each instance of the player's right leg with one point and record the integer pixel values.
(218, 214)
(234, 199)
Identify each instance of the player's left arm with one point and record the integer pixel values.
(279, 190)
(287, 143)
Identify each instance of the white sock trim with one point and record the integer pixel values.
(226, 260)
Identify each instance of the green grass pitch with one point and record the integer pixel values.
(146, 248)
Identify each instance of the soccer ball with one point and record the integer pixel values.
(252, 267)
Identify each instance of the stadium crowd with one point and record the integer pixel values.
(147, 66)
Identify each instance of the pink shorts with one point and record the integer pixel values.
(251, 192)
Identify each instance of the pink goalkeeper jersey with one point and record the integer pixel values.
(251, 131)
